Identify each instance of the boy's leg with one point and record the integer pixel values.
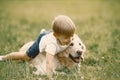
(33, 51)
(15, 56)
(1, 58)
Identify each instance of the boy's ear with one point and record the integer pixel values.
(56, 35)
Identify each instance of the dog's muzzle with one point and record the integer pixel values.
(76, 59)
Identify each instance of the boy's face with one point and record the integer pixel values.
(64, 40)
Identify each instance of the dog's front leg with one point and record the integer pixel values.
(49, 65)
(79, 67)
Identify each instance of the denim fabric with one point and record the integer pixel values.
(33, 51)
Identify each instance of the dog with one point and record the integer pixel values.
(69, 58)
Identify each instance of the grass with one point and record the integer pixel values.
(97, 22)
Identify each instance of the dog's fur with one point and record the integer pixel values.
(68, 58)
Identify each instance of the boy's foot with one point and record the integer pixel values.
(1, 58)
(42, 31)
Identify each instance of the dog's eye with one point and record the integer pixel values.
(80, 44)
(71, 44)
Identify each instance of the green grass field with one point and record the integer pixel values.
(97, 22)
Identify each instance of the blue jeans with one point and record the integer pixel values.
(33, 51)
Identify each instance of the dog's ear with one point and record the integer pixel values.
(66, 52)
(84, 48)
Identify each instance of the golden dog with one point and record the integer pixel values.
(68, 58)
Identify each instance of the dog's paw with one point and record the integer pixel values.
(39, 73)
(36, 72)
(59, 73)
(62, 73)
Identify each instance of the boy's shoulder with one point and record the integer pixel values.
(49, 38)
(50, 35)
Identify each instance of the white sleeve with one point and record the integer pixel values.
(51, 49)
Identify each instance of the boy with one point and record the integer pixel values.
(51, 43)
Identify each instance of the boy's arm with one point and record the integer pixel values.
(49, 64)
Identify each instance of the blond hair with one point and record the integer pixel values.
(63, 25)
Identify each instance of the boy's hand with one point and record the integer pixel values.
(49, 65)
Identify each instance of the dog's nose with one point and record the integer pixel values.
(79, 52)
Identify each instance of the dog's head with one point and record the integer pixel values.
(76, 49)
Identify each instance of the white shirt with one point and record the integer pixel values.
(50, 44)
